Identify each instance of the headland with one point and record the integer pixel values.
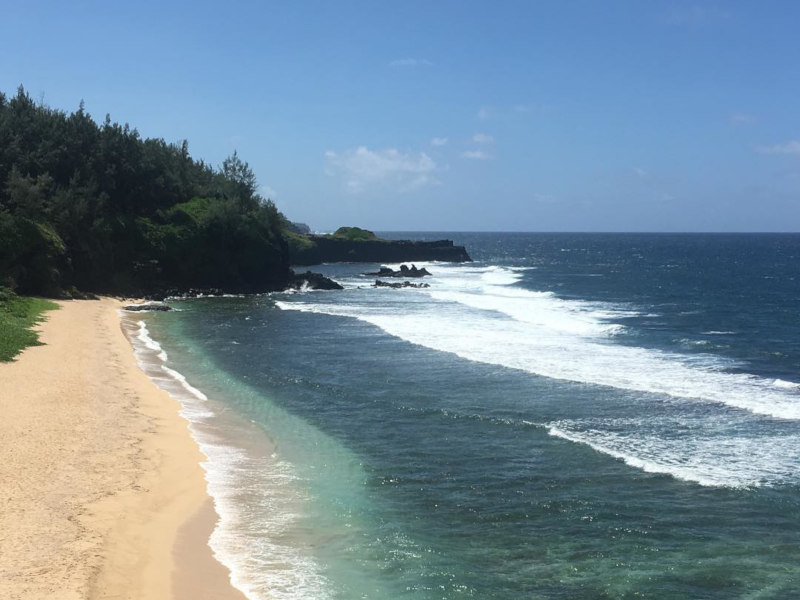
(353, 244)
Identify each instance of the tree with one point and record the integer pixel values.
(98, 207)
(239, 173)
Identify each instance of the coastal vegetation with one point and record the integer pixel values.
(356, 234)
(303, 243)
(96, 207)
(18, 315)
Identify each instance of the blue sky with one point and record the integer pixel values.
(509, 116)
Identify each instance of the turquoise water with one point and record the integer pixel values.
(571, 416)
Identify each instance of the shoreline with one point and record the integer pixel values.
(102, 494)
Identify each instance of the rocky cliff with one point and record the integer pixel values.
(325, 249)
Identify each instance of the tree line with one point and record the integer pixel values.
(97, 208)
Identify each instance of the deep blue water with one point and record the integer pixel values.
(570, 416)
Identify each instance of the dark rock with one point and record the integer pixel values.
(292, 280)
(413, 271)
(313, 281)
(403, 272)
(397, 285)
(184, 293)
(147, 307)
(330, 249)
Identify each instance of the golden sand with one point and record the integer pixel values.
(101, 491)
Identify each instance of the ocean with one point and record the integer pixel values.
(570, 416)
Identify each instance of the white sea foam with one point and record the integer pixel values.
(144, 336)
(185, 384)
(729, 461)
(541, 309)
(253, 494)
(257, 501)
(498, 276)
(470, 315)
(479, 314)
(786, 385)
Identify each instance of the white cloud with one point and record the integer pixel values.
(485, 112)
(743, 119)
(476, 155)
(439, 141)
(411, 62)
(639, 171)
(482, 138)
(362, 168)
(792, 147)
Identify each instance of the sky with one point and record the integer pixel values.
(450, 116)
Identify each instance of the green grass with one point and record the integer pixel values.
(17, 315)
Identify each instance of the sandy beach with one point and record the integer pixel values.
(101, 490)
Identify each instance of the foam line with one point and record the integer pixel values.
(262, 564)
(736, 462)
(483, 314)
(556, 344)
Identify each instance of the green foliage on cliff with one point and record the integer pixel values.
(309, 248)
(99, 208)
(297, 241)
(355, 234)
(17, 316)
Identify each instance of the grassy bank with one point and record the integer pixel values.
(18, 314)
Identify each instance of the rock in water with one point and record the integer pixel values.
(313, 281)
(398, 285)
(403, 272)
(147, 307)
